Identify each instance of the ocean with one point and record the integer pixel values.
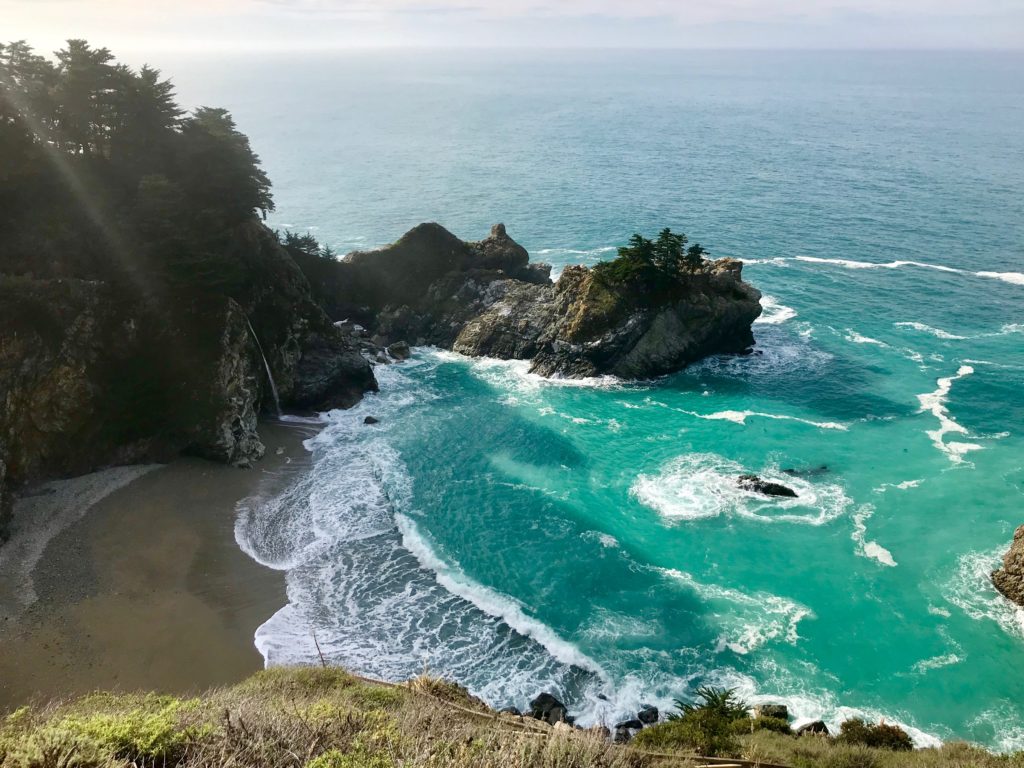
(587, 537)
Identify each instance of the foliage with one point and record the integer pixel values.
(723, 702)
(707, 726)
(313, 717)
(704, 732)
(881, 735)
(102, 174)
(652, 265)
(753, 724)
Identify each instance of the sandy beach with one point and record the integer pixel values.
(140, 584)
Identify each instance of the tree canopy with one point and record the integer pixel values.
(652, 264)
(101, 169)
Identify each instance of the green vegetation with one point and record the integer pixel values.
(652, 264)
(882, 735)
(316, 717)
(707, 726)
(104, 175)
(297, 718)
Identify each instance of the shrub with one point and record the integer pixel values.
(880, 735)
(753, 724)
(722, 701)
(704, 731)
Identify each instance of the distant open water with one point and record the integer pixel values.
(588, 538)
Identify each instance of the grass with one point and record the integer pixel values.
(316, 717)
(297, 718)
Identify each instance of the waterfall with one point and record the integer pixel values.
(266, 365)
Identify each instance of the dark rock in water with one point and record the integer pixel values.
(633, 725)
(757, 485)
(510, 711)
(810, 472)
(777, 711)
(486, 299)
(549, 709)
(648, 714)
(817, 728)
(602, 697)
(400, 350)
(371, 420)
(329, 374)
(1009, 579)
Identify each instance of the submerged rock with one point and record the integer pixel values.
(1009, 579)
(371, 420)
(757, 485)
(486, 299)
(809, 472)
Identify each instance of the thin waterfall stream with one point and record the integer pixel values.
(266, 366)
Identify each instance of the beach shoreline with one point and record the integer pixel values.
(139, 584)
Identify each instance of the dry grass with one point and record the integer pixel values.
(292, 718)
(326, 718)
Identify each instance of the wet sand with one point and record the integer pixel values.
(147, 590)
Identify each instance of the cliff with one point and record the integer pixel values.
(485, 299)
(94, 374)
(1009, 579)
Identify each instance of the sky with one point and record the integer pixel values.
(225, 25)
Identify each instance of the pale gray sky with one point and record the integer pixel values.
(141, 25)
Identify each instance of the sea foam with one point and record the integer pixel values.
(698, 486)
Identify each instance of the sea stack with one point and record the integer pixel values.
(486, 299)
(1009, 579)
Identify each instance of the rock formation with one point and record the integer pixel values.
(93, 375)
(1009, 579)
(486, 299)
(755, 484)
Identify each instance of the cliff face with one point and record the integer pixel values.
(92, 375)
(1009, 579)
(485, 299)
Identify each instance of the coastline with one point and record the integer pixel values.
(143, 586)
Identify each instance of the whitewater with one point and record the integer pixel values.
(587, 537)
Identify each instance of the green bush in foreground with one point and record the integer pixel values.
(881, 735)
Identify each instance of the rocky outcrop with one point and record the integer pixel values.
(485, 299)
(1009, 579)
(755, 484)
(94, 374)
(548, 709)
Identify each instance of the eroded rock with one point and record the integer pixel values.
(1009, 579)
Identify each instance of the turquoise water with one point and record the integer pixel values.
(587, 537)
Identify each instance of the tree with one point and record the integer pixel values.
(695, 255)
(668, 251)
(219, 171)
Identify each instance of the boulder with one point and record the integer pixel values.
(400, 350)
(600, 731)
(1009, 579)
(548, 709)
(755, 484)
(371, 420)
(648, 714)
(816, 728)
(777, 711)
(632, 725)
